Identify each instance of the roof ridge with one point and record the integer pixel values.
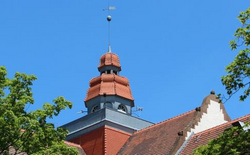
(165, 121)
(222, 125)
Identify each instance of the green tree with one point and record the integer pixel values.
(22, 131)
(234, 141)
(238, 72)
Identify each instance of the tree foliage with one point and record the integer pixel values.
(238, 72)
(234, 141)
(28, 131)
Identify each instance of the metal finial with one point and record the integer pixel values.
(109, 49)
(109, 20)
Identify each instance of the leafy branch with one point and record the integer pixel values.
(25, 131)
(238, 72)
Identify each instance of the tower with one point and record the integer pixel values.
(109, 90)
(109, 122)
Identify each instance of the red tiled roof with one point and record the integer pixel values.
(161, 138)
(168, 136)
(203, 137)
(109, 59)
(110, 84)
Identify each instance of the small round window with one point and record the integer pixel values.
(95, 108)
(122, 108)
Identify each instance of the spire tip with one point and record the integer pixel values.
(109, 49)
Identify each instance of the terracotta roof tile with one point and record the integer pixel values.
(109, 59)
(94, 81)
(108, 88)
(93, 92)
(160, 138)
(122, 80)
(123, 91)
(110, 84)
(202, 138)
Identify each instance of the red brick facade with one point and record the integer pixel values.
(92, 142)
(114, 140)
(102, 141)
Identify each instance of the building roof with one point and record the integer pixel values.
(168, 136)
(109, 84)
(160, 138)
(109, 59)
(202, 138)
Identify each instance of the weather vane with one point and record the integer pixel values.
(109, 20)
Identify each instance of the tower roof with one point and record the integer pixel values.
(109, 84)
(109, 59)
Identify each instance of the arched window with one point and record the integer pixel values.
(108, 105)
(122, 108)
(95, 108)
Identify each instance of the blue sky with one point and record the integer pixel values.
(173, 52)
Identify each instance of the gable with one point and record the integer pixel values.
(212, 116)
(169, 136)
